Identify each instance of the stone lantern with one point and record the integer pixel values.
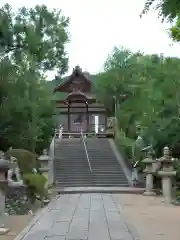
(44, 163)
(166, 173)
(4, 166)
(149, 174)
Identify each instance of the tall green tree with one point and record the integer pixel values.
(152, 85)
(168, 10)
(37, 32)
(32, 42)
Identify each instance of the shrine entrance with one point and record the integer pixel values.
(78, 117)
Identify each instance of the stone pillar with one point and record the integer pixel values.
(44, 162)
(166, 173)
(4, 166)
(149, 174)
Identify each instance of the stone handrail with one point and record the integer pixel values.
(87, 156)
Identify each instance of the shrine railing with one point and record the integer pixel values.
(85, 148)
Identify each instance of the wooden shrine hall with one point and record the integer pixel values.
(77, 107)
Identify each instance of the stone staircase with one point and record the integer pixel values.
(71, 168)
(106, 170)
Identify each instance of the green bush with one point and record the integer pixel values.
(26, 159)
(36, 185)
(124, 144)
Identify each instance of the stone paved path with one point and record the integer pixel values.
(81, 217)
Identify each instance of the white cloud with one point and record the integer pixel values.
(97, 25)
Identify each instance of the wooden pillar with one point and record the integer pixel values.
(87, 117)
(68, 118)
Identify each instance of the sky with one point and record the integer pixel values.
(98, 25)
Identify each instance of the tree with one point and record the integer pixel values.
(167, 10)
(152, 85)
(35, 33)
(32, 41)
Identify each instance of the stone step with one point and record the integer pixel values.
(94, 170)
(72, 165)
(72, 168)
(79, 184)
(67, 174)
(87, 171)
(85, 161)
(82, 168)
(88, 178)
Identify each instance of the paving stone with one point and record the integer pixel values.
(81, 217)
(114, 218)
(40, 235)
(45, 222)
(109, 203)
(84, 201)
(96, 204)
(59, 228)
(79, 228)
(125, 236)
(55, 238)
(80, 235)
(98, 228)
(65, 214)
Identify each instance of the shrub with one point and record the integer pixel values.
(26, 159)
(124, 144)
(36, 185)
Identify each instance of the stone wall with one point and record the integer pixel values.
(16, 202)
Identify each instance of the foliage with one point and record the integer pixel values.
(36, 32)
(36, 185)
(176, 166)
(175, 33)
(167, 10)
(26, 159)
(32, 42)
(125, 144)
(152, 109)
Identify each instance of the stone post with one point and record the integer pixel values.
(149, 174)
(4, 166)
(44, 162)
(166, 173)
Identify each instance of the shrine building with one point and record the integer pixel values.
(77, 107)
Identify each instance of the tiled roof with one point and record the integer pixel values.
(62, 95)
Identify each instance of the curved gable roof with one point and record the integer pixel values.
(76, 71)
